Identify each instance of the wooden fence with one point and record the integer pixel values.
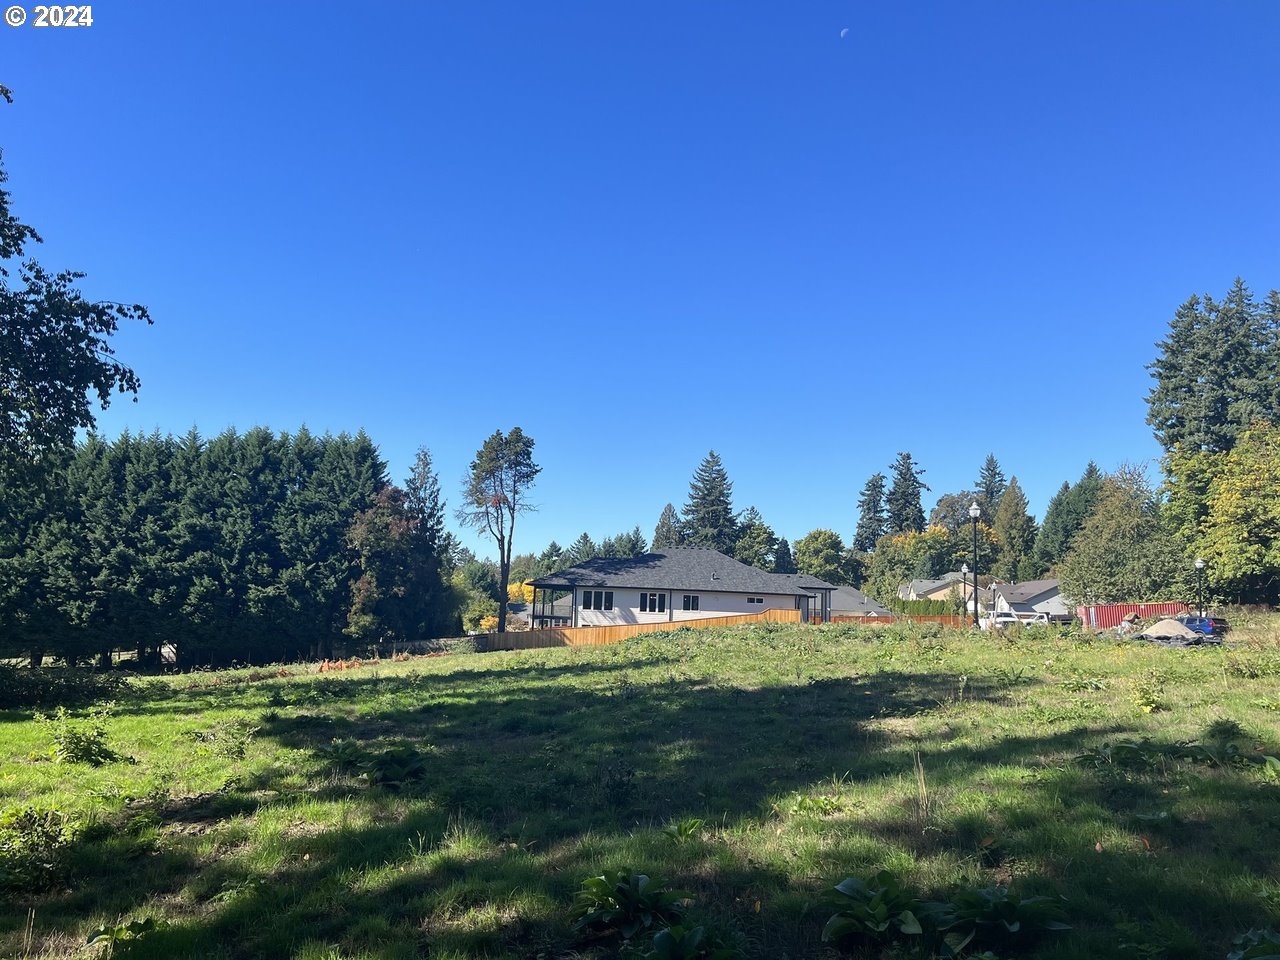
(600, 636)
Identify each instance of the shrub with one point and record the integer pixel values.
(81, 740)
(689, 943)
(46, 688)
(625, 902)
(878, 910)
(992, 916)
(32, 844)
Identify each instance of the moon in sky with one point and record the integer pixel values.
(844, 33)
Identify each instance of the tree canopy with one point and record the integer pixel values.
(667, 532)
(1216, 371)
(495, 493)
(708, 519)
(55, 348)
(871, 514)
(904, 510)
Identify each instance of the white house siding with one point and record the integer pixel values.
(626, 607)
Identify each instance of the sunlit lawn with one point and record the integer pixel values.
(241, 822)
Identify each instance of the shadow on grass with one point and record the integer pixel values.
(528, 783)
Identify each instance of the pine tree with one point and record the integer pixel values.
(757, 544)
(667, 532)
(871, 515)
(1054, 537)
(632, 543)
(783, 562)
(708, 516)
(581, 550)
(1214, 374)
(1015, 534)
(991, 485)
(550, 559)
(903, 507)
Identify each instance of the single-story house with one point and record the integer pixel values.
(679, 583)
(852, 602)
(939, 589)
(1031, 597)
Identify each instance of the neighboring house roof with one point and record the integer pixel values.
(919, 588)
(1027, 591)
(848, 601)
(681, 568)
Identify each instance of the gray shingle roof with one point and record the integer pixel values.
(850, 602)
(1027, 590)
(682, 568)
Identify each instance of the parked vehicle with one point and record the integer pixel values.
(1002, 619)
(1210, 626)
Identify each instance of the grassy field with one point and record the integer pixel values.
(451, 807)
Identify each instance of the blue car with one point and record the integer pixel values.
(1209, 626)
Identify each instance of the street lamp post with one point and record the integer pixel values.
(964, 585)
(1200, 584)
(974, 512)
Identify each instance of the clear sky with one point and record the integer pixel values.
(643, 231)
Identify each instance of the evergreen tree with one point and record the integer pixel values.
(495, 493)
(581, 550)
(632, 543)
(991, 485)
(1214, 375)
(551, 559)
(783, 562)
(667, 532)
(1122, 553)
(1066, 514)
(1015, 535)
(708, 516)
(903, 507)
(871, 514)
(757, 544)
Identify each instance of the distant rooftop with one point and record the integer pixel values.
(682, 568)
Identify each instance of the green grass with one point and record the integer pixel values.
(232, 814)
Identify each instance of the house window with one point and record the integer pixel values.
(597, 599)
(653, 603)
(691, 601)
(755, 599)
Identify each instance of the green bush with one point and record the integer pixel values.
(80, 740)
(625, 902)
(55, 686)
(878, 910)
(32, 844)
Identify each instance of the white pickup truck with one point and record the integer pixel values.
(998, 621)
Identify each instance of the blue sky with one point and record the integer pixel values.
(643, 232)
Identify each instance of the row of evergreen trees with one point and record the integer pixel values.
(253, 547)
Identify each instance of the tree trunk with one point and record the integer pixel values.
(504, 577)
(37, 660)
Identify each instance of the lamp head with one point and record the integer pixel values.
(964, 568)
(974, 510)
(1199, 564)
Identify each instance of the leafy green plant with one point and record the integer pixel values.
(80, 740)
(343, 756)
(1148, 691)
(1079, 684)
(109, 937)
(689, 943)
(1136, 754)
(684, 830)
(1256, 945)
(992, 916)
(229, 738)
(31, 846)
(394, 768)
(878, 910)
(627, 903)
(821, 804)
